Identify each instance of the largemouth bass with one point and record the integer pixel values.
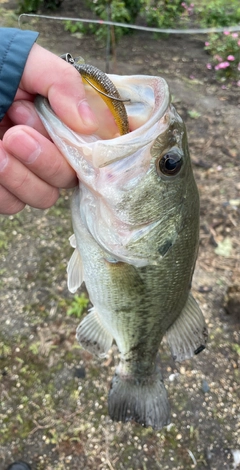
(136, 225)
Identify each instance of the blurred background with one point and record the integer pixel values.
(53, 393)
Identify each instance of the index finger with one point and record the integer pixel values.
(52, 77)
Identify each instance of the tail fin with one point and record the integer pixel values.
(143, 400)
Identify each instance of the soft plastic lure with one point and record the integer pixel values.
(105, 87)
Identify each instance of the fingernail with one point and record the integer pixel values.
(87, 115)
(23, 146)
(3, 159)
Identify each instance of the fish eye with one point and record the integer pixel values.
(170, 164)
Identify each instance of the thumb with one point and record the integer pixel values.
(50, 76)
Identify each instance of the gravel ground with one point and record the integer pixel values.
(54, 394)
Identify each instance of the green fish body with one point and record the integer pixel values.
(136, 226)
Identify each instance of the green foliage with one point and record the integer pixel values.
(78, 306)
(52, 4)
(158, 13)
(162, 13)
(28, 6)
(34, 348)
(225, 52)
(32, 6)
(194, 114)
(3, 241)
(124, 11)
(236, 348)
(74, 27)
(5, 350)
(218, 13)
(134, 8)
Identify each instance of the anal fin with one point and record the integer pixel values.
(93, 336)
(188, 334)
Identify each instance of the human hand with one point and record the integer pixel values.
(31, 167)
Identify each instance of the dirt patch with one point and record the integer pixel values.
(54, 394)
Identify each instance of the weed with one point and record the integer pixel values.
(78, 306)
(162, 13)
(236, 348)
(218, 13)
(3, 241)
(114, 10)
(31, 6)
(193, 114)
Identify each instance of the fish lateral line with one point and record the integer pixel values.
(106, 88)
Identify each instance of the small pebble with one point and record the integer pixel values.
(205, 387)
(80, 372)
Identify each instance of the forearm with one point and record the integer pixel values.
(15, 46)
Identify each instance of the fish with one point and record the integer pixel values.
(135, 217)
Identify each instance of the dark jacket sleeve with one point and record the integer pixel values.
(15, 46)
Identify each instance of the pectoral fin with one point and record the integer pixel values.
(93, 336)
(75, 271)
(188, 334)
(72, 241)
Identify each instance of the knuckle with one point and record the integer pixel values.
(9, 204)
(56, 169)
(15, 207)
(49, 199)
(21, 185)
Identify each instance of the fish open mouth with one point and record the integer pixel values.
(149, 99)
(144, 99)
